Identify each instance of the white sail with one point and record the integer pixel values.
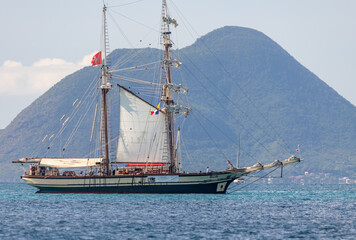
(70, 162)
(143, 134)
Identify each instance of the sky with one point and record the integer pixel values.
(42, 41)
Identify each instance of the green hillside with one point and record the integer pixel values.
(240, 82)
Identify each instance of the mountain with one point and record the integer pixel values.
(240, 82)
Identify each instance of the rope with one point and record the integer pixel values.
(223, 107)
(75, 130)
(233, 140)
(144, 25)
(135, 80)
(135, 67)
(59, 132)
(254, 180)
(73, 113)
(207, 133)
(127, 57)
(125, 4)
(291, 168)
(284, 146)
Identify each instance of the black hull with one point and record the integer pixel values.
(209, 188)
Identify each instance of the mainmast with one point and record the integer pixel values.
(167, 96)
(105, 87)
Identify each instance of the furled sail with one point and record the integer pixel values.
(143, 134)
(63, 162)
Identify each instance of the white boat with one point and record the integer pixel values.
(147, 143)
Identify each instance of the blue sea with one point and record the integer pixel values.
(254, 212)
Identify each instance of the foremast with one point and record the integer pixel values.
(168, 88)
(105, 87)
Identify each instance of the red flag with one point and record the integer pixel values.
(298, 149)
(96, 59)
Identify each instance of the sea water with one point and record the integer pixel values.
(254, 212)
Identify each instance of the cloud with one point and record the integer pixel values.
(19, 80)
(10, 64)
(45, 62)
(86, 61)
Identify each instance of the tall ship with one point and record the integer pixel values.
(147, 158)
